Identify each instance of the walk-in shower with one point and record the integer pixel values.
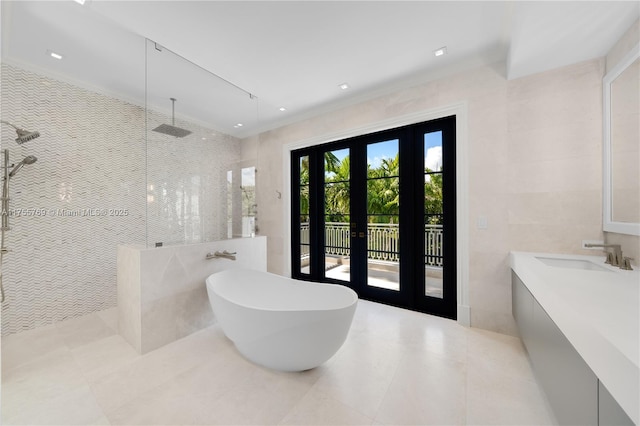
(23, 136)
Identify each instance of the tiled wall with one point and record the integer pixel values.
(92, 156)
(187, 183)
(534, 168)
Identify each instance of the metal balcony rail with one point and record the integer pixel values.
(382, 241)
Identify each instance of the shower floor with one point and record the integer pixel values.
(396, 367)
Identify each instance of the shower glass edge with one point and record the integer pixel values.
(198, 187)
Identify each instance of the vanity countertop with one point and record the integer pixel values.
(598, 311)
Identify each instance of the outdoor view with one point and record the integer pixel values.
(382, 204)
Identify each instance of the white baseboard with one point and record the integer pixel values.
(464, 315)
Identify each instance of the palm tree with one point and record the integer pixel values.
(337, 192)
(383, 192)
(433, 196)
(331, 162)
(304, 189)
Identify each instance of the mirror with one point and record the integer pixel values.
(621, 189)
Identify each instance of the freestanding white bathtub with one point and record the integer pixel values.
(278, 322)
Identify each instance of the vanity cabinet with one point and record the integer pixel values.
(573, 390)
(570, 385)
(609, 411)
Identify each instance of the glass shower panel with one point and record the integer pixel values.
(200, 180)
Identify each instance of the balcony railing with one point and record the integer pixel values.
(382, 239)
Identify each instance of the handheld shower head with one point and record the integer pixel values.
(29, 159)
(23, 135)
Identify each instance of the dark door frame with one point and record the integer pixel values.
(412, 212)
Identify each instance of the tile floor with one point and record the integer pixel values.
(396, 367)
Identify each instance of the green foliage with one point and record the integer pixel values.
(433, 197)
(383, 191)
(336, 189)
(304, 189)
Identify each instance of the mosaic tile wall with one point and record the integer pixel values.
(187, 183)
(88, 192)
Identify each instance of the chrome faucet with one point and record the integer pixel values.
(616, 258)
(626, 264)
(224, 254)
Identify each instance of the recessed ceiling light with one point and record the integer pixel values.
(283, 109)
(344, 86)
(441, 51)
(80, 2)
(238, 125)
(55, 55)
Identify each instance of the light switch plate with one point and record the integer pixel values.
(482, 223)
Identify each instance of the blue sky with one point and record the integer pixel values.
(433, 151)
(388, 149)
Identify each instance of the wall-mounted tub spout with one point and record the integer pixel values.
(224, 254)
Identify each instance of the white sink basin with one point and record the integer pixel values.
(584, 265)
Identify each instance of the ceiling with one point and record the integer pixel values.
(294, 54)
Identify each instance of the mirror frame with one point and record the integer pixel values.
(608, 225)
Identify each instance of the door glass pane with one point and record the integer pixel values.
(433, 214)
(304, 215)
(229, 203)
(383, 207)
(249, 206)
(337, 214)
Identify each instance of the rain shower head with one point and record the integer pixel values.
(23, 135)
(29, 159)
(171, 129)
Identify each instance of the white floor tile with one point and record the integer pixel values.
(145, 372)
(396, 367)
(426, 390)
(26, 388)
(110, 318)
(361, 374)
(83, 330)
(499, 350)
(104, 356)
(181, 399)
(496, 398)
(318, 408)
(23, 348)
(265, 397)
(77, 407)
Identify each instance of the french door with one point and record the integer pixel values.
(377, 213)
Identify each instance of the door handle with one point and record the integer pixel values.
(353, 234)
(361, 235)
